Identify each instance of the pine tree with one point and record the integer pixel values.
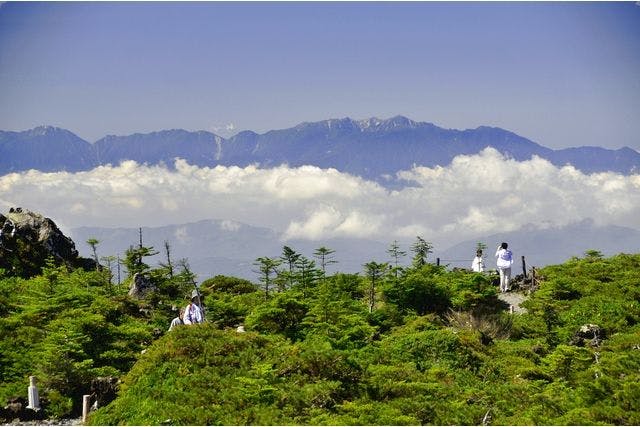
(421, 248)
(290, 257)
(93, 242)
(396, 254)
(267, 269)
(308, 274)
(325, 256)
(374, 272)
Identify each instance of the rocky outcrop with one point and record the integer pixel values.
(104, 390)
(588, 334)
(27, 239)
(17, 410)
(141, 286)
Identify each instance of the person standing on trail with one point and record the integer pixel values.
(478, 263)
(193, 312)
(178, 320)
(504, 262)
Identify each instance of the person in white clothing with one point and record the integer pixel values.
(193, 312)
(478, 263)
(504, 262)
(178, 320)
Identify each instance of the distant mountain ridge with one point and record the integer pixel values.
(370, 148)
(230, 248)
(223, 246)
(545, 246)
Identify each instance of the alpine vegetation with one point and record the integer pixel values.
(403, 342)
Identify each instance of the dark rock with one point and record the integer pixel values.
(16, 409)
(591, 334)
(27, 240)
(104, 390)
(141, 286)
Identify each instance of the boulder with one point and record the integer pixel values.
(28, 239)
(141, 286)
(591, 334)
(16, 409)
(104, 390)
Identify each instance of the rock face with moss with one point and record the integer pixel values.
(27, 239)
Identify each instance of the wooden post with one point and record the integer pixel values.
(524, 267)
(86, 399)
(533, 278)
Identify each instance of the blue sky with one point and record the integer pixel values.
(561, 74)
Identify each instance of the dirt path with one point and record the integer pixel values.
(514, 299)
(62, 422)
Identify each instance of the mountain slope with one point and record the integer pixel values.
(44, 148)
(198, 148)
(369, 148)
(373, 147)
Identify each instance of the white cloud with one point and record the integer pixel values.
(474, 196)
(318, 222)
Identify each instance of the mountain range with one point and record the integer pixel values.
(370, 148)
(223, 247)
(229, 248)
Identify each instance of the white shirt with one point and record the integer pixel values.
(505, 258)
(192, 314)
(175, 322)
(478, 264)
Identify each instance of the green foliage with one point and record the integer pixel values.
(374, 272)
(325, 257)
(320, 357)
(307, 275)
(227, 285)
(133, 259)
(420, 290)
(437, 347)
(283, 314)
(267, 269)
(421, 249)
(395, 253)
(66, 328)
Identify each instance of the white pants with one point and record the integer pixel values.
(505, 276)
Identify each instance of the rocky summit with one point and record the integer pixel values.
(27, 240)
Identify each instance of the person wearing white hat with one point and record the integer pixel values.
(193, 312)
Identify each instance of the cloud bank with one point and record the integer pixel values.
(473, 196)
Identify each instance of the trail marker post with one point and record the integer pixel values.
(34, 398)
(86, 400)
